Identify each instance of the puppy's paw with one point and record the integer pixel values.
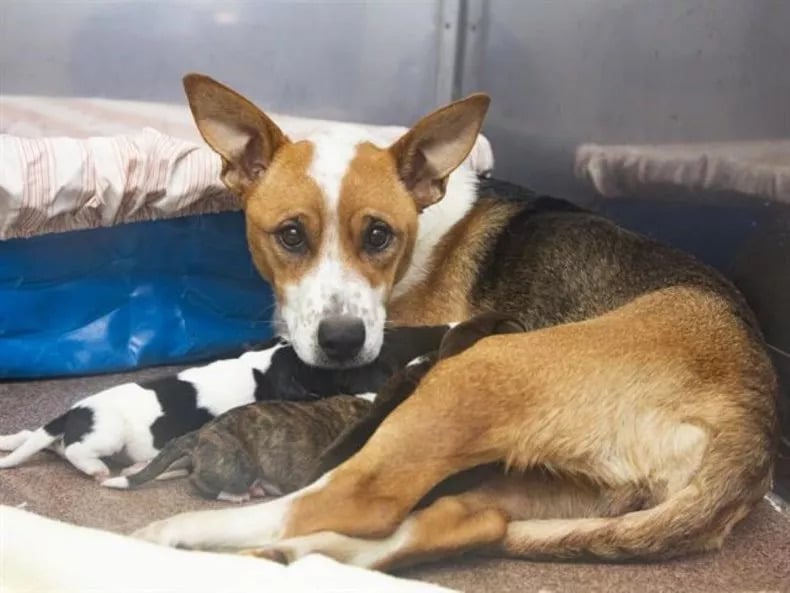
(237, 498)
(101, 476)
(134, 468)
(118, 482)
(262, 489)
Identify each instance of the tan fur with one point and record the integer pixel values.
(693, 452)
(643, 432)
(443, 294)
(388, 184)
(427, 154)
(286, 177)
(371, 190)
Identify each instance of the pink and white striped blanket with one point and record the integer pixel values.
(74, 163)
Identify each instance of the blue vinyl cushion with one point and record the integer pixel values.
(162, 292)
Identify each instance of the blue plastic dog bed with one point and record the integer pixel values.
(109, 299)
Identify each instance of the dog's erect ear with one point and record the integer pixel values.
(436, 145)
(467, 334)
(237, 130)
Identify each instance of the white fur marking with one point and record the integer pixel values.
(371, 397)
(361, 552)
(331, 288)
(251, 526)
(435, 222)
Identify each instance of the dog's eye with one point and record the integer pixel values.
(291, 236)
(377, 237)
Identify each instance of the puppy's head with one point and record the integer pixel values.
(467, 334)
(332, 221)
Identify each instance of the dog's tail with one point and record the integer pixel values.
(24, 444)
(696, 518)
(174, 456)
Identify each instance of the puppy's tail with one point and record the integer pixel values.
(24, 444)
(697, 518)
(175, 456)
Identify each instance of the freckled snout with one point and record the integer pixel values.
(341, 337)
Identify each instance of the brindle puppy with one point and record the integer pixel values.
(254, 450)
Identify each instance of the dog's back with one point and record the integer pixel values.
(546, 261)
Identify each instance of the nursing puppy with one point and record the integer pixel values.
(139, 419)
(268, 448)
(273, 447)
(637, 415)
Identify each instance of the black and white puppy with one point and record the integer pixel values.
(138, 419)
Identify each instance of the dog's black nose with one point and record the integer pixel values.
(341, 337)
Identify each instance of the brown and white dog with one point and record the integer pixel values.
(634, 419)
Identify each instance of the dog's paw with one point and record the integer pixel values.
(271, 553)
(234, 528)
(334, 545)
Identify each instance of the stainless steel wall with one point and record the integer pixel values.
(370, 60)
(630, 71)
(560, 72)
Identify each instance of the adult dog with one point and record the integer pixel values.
(634, 419)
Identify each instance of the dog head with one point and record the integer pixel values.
(332, 220)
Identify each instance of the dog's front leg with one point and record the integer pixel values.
(248, 526)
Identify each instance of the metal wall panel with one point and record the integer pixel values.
(624, 71)
(368, 60)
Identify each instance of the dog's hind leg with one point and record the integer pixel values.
(449, 526)
(474, 520)
(696, 518)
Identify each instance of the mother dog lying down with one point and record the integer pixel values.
(635, 418)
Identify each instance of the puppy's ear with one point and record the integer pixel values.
(239, 132)
(437, 145)
(467, 334)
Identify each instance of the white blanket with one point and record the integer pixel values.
(70, 164)
(756, 168)
(39, 555)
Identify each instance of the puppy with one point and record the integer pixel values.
(254, 450)
(138, 419)
(272, 447)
